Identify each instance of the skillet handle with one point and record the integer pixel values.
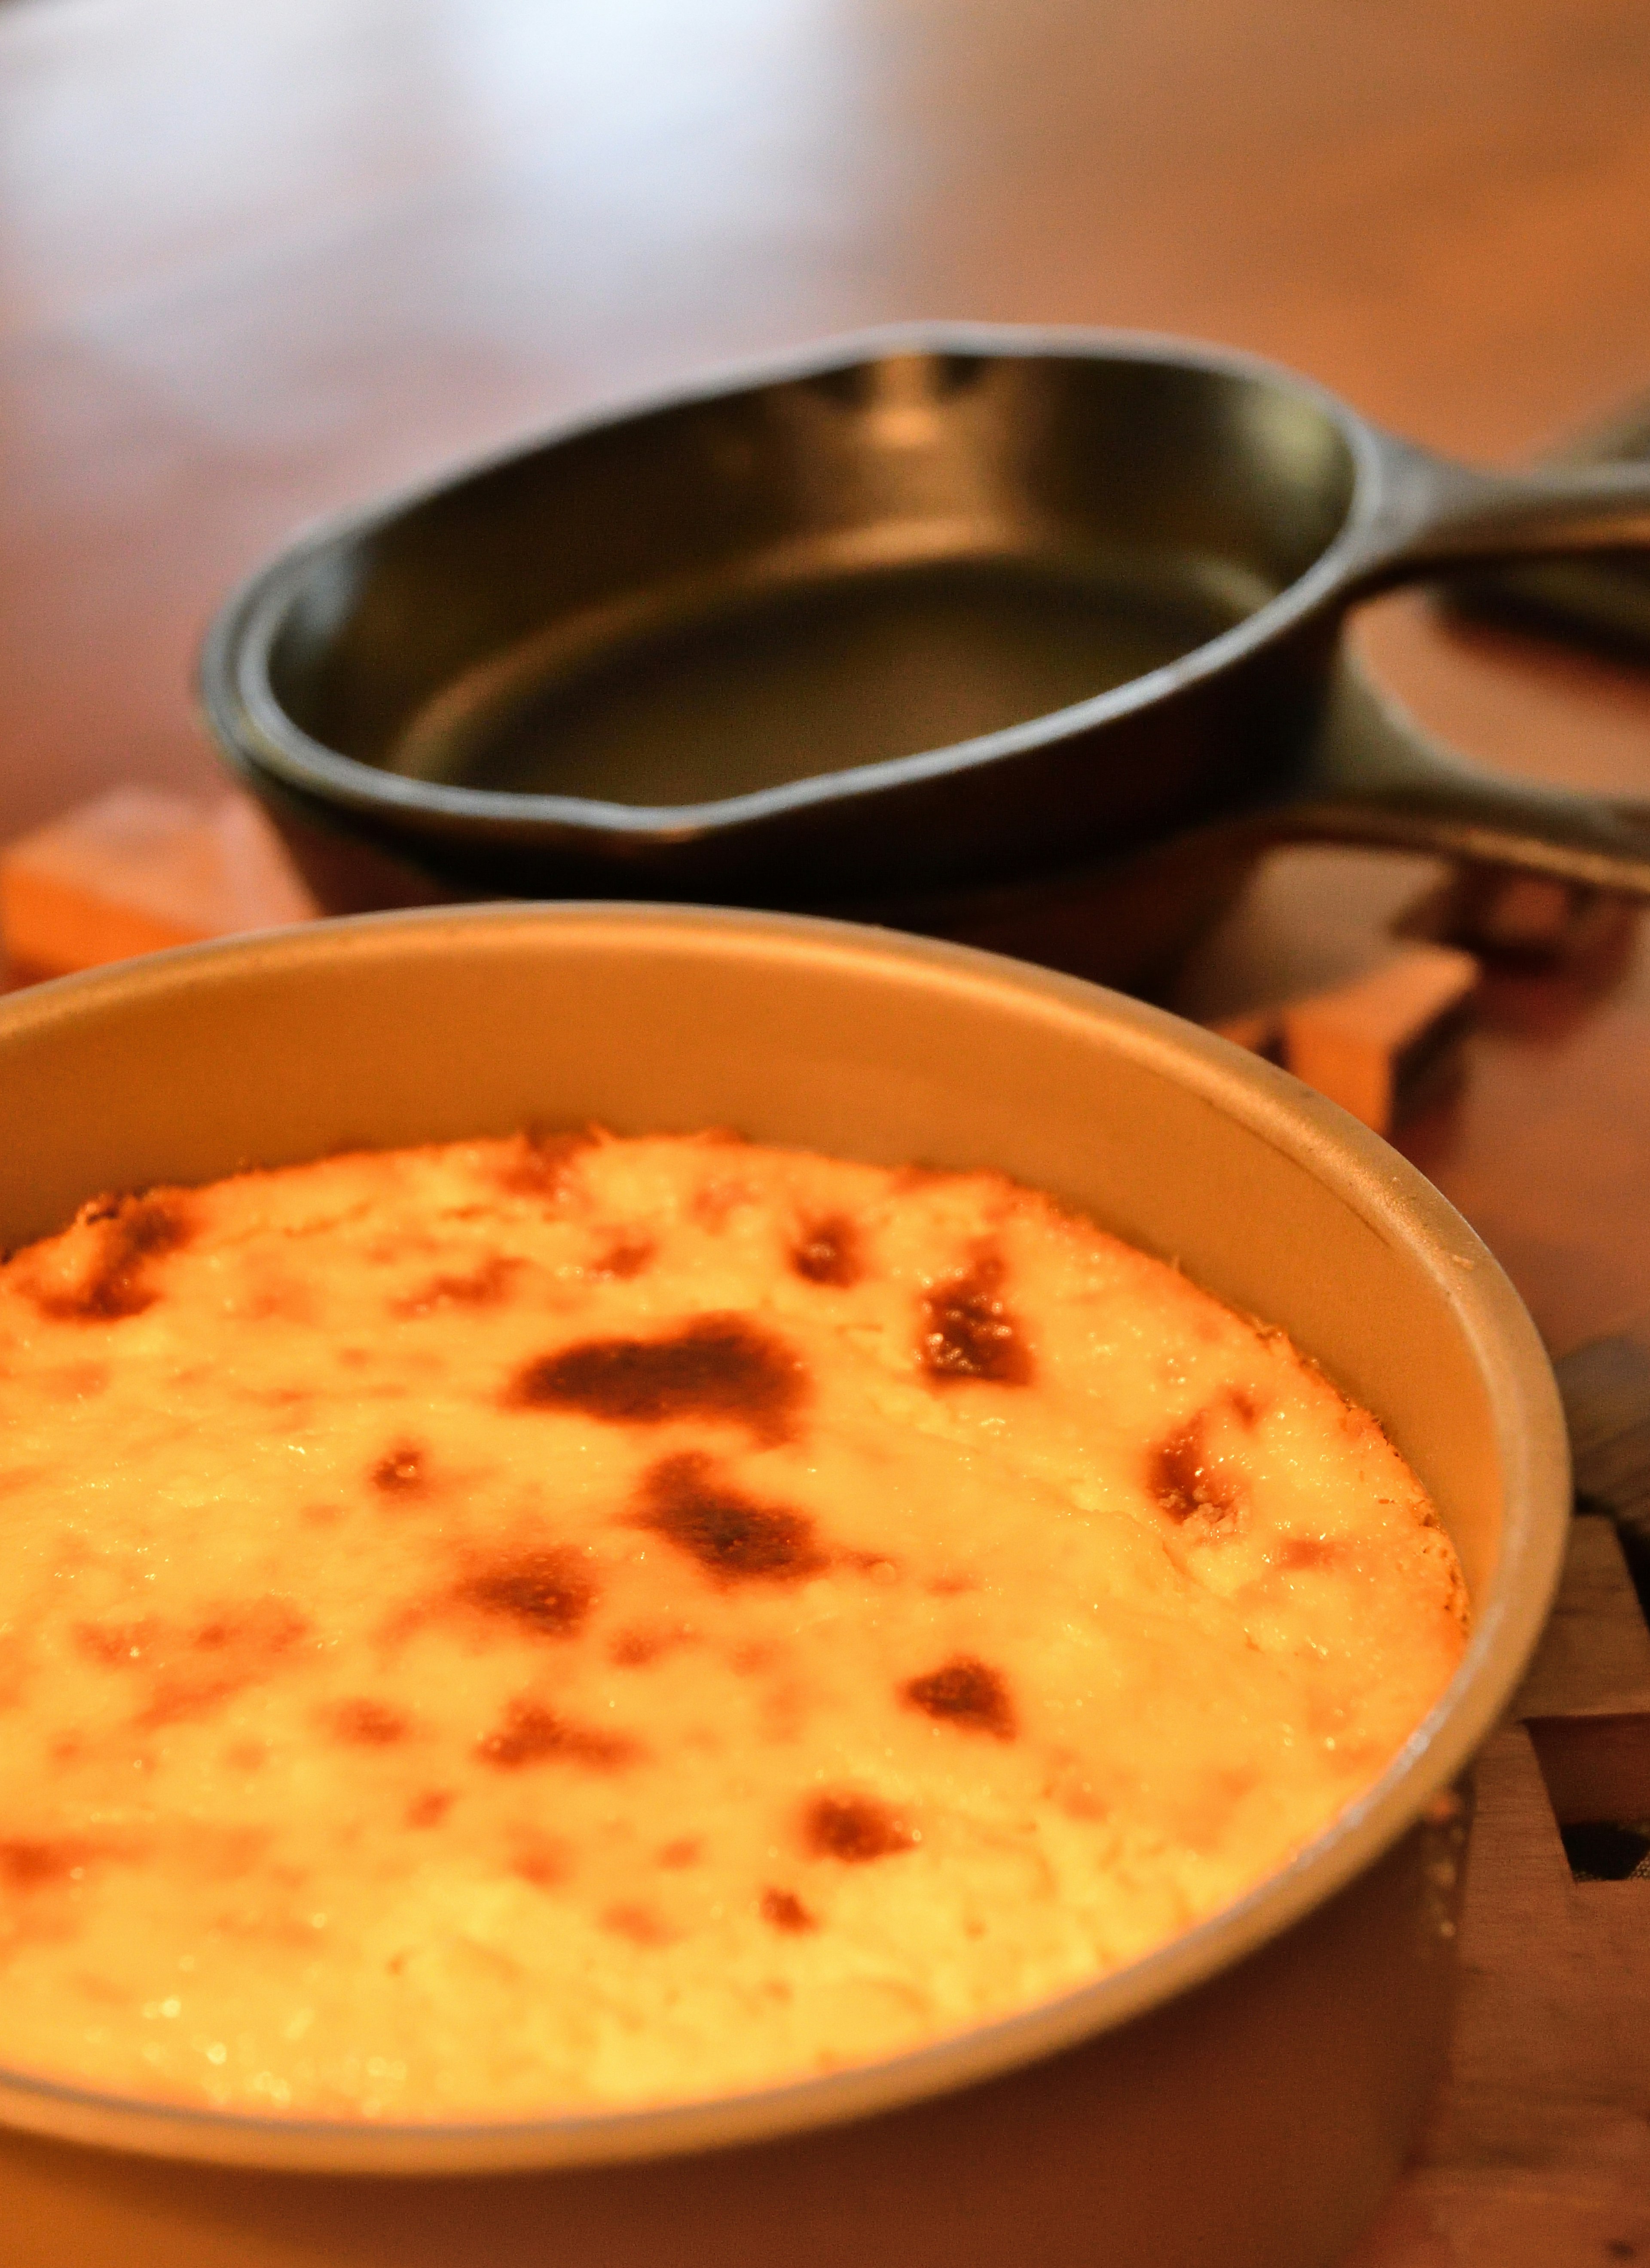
(1373, 777)
(1432, 514)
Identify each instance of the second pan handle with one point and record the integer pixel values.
(1373, 777)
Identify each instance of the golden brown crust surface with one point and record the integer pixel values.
(590, 1622)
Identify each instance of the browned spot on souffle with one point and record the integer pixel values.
(724, 1368)
(969, 1332)
(966, 1693)
(734, 1537)
(854, 1828)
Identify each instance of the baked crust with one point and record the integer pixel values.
(536, 1623)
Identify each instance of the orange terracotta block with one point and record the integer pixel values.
(1257, 1029)
(137, 871)
(1371, 1043)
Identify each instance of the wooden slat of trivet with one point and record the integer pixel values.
(1537, 2154)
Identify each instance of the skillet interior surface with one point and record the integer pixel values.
(809, 575)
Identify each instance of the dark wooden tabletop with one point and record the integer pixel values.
(260, 259)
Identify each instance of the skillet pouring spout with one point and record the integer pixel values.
(926, 612)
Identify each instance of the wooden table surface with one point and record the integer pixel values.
(259, 259)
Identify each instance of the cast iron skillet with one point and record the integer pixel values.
(887, 624)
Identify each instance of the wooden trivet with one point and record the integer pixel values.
(1537, 2154)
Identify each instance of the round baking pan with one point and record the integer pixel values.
(885, 625)
(1245, 2094)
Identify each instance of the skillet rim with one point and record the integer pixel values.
(258, 734)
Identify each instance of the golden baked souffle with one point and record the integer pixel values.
(529, 1625)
